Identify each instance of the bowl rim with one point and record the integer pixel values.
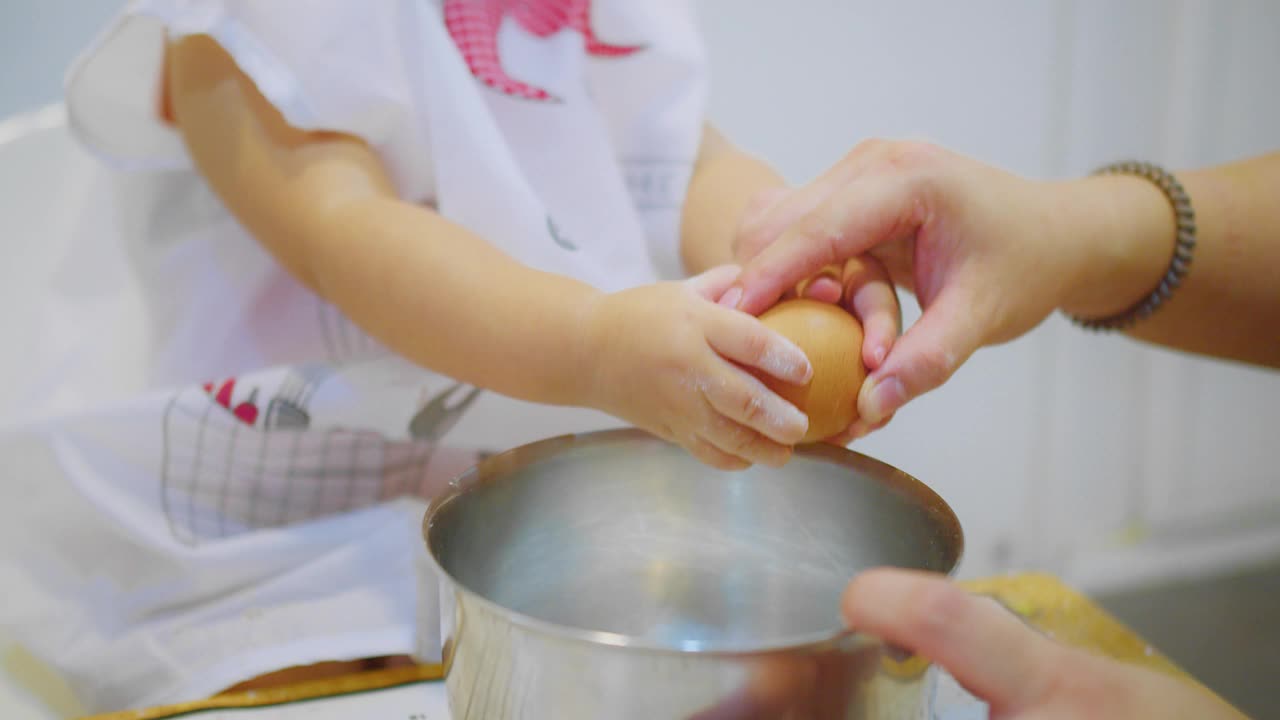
(500, 465)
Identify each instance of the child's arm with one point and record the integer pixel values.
(323, 205)
(662, 357)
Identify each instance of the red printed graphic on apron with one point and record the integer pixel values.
(473, 25)
(245, 411)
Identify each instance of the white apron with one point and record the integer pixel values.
(236, 474)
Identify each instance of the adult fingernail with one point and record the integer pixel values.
(884, 397)
(731, 298)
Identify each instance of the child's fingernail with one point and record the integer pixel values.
(884, 397)
(731, 298)
(782, 416)
(792, 421)
(786, 361)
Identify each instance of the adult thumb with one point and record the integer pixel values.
(988, 649)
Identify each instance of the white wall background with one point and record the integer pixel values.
(1093, 457)
(38, 40)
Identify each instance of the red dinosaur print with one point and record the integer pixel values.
(246, 412)
(473, 25)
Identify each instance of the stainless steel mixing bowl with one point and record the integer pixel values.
(610, 575)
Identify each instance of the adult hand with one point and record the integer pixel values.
(1019, 673)
(984, 252)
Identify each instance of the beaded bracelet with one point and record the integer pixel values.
(1178, 266)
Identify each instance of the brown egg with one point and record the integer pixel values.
(832, 340)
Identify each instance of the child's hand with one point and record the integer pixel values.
(669, 360)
